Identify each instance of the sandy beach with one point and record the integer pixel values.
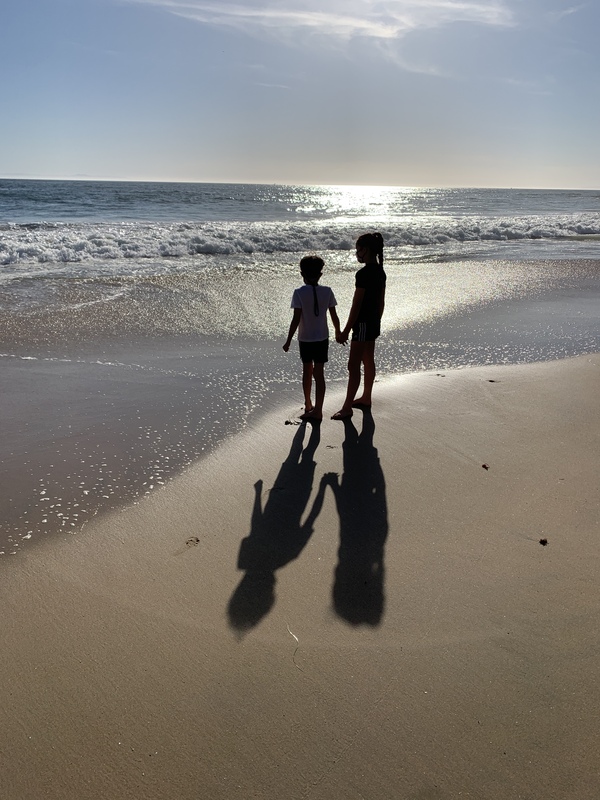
(401, 606)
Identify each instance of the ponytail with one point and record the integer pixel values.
(374, 243)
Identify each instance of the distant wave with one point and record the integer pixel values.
(61, 243)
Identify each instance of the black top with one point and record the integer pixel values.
(372, 279)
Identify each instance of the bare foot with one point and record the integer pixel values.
(312, 414)
(342, 414)
(360, 403)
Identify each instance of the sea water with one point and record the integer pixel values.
(141, 323)
(83, 259)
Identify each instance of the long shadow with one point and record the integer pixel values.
(358, 589)
(277, 535)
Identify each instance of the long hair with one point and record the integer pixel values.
(374, 243)
(311, 268)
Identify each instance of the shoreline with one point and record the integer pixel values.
(93, 424)
(90, 431)
(182, 646)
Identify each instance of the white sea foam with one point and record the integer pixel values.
(137, 263)
(50, 245)
(190, 287)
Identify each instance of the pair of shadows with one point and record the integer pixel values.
(278, 536)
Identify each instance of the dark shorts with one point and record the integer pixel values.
(366, 331)
(316, 352)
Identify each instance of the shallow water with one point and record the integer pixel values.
(95, 422)
(135, 337)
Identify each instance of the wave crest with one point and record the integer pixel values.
(46, 243)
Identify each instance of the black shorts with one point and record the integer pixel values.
(316, 352)
(366, 331)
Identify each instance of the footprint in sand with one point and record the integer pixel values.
(193, 541)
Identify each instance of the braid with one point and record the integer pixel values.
(311, 268)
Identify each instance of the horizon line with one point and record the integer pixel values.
(86, 178)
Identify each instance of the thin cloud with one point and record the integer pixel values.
(272, 85)
(557, 16)
(530, 87)
(343, 19)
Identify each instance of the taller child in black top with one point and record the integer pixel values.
(364, 321)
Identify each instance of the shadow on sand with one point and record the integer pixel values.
(358, 588)
(276, 534)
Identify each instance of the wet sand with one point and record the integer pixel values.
(91, 422)
(92, 427)
(400, 606)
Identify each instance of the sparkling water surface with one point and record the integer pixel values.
(192, 255)
(141, 324)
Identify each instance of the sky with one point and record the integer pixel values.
(502, 93)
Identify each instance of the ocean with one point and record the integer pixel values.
(125, 259)
(47, 224)
(142, 323)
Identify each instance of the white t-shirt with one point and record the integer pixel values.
(313, 328)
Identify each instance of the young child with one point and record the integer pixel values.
(311, 303)
(365, 322)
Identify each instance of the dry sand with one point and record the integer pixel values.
(395, 629)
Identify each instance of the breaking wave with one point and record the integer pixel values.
(62, 243)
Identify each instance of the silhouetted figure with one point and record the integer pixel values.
(276, 535)
(358, 595)
(364, 320)
(311, 303)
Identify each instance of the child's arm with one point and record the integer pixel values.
(353, 315)
(335, 320)
(293, 328)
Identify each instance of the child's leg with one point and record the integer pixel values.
(319, 376)
(307, 376)
(354, 362)
(368, 360)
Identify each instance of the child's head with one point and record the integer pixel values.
(370, 246)
(311, 268)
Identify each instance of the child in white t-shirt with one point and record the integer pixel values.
(311, 303)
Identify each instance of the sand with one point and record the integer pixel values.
(360, 610)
